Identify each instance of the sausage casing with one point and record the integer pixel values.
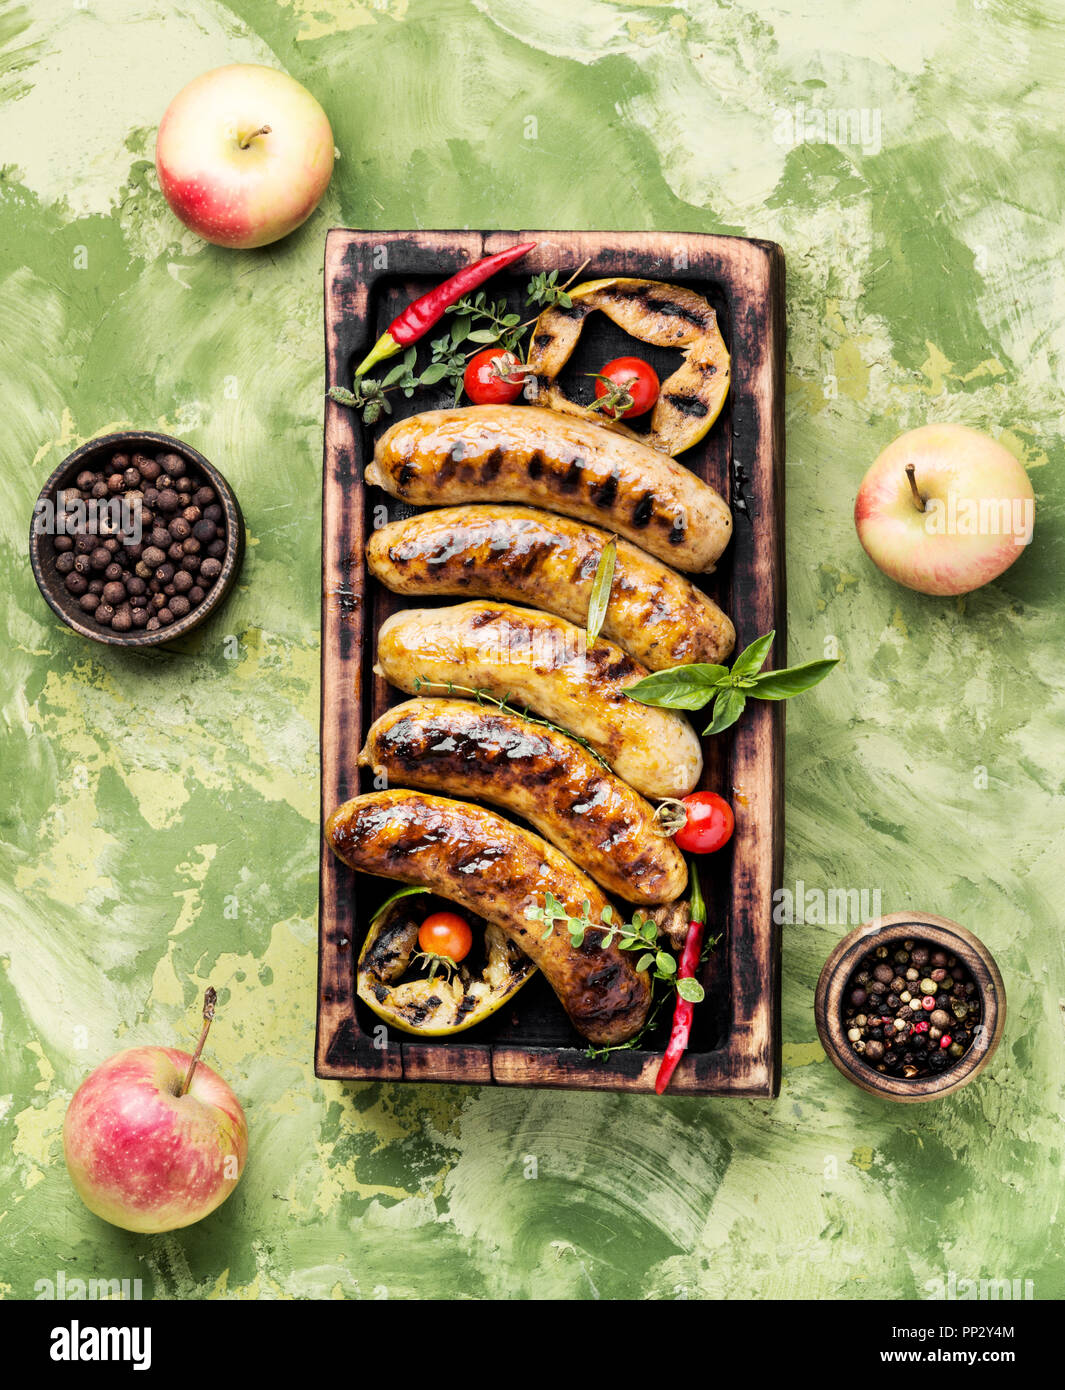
(466, 750)
(540, 662)
(478, 860)
(510, 453)
(530, 556)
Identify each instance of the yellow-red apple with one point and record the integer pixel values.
(945, 509)
(143, 1155)
(244, 154)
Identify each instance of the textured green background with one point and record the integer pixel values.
(148, 796)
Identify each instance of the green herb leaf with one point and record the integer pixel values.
(679, 687)
(459, 329)
(645, 962)
(599, 599)
(394, 375)
(665, 963)
(483, 335)
(752, 659)
(403, 893)
(342, 396)
(435, 372)
(792, 680)
(691, 990)
(728, 706)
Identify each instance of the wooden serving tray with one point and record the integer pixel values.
(735, 1045)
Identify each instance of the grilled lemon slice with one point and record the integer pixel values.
(398, 987)
(665, 315)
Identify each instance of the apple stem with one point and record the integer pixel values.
(210, 998)
(918, 500)
(263, 130)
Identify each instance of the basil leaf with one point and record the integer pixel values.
(599, 599)
(403, 893)
(728, 707)
(793, 680)
(691, 990)
(680, 687)
(753, 658)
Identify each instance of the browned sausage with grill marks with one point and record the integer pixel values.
(512, 453)
(539, 662)
(466, 750)
(530, 556)
(487, 865)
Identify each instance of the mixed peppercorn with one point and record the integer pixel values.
(911, 1009)
(175, 560)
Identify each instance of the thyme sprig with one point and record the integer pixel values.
(484, 698)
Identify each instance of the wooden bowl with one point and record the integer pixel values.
(43, 552)
(936, 931)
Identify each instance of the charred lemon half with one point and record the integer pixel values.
(665, 315)
(424, 997)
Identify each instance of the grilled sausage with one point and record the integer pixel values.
(512, 453)
(485, 864)
(462, 749)
(529, 556)
(539, 662)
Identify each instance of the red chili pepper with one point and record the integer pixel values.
(689, 964)
(417, 318)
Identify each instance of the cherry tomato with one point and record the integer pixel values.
(640, 380)
(446, 934)
(493, 377)
(709, 825)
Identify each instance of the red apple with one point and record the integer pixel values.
(945, 509)
(142, 1155)
(244, 154)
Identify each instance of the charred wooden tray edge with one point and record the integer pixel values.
(747, 1061)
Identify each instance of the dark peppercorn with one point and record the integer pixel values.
(160, 578)
(899, 1037)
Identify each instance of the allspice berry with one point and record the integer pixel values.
(167, 572)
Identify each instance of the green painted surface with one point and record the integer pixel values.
(160, 820)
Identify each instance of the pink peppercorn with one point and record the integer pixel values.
(945, 1040)
(928, 1002)
(921, 1027)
